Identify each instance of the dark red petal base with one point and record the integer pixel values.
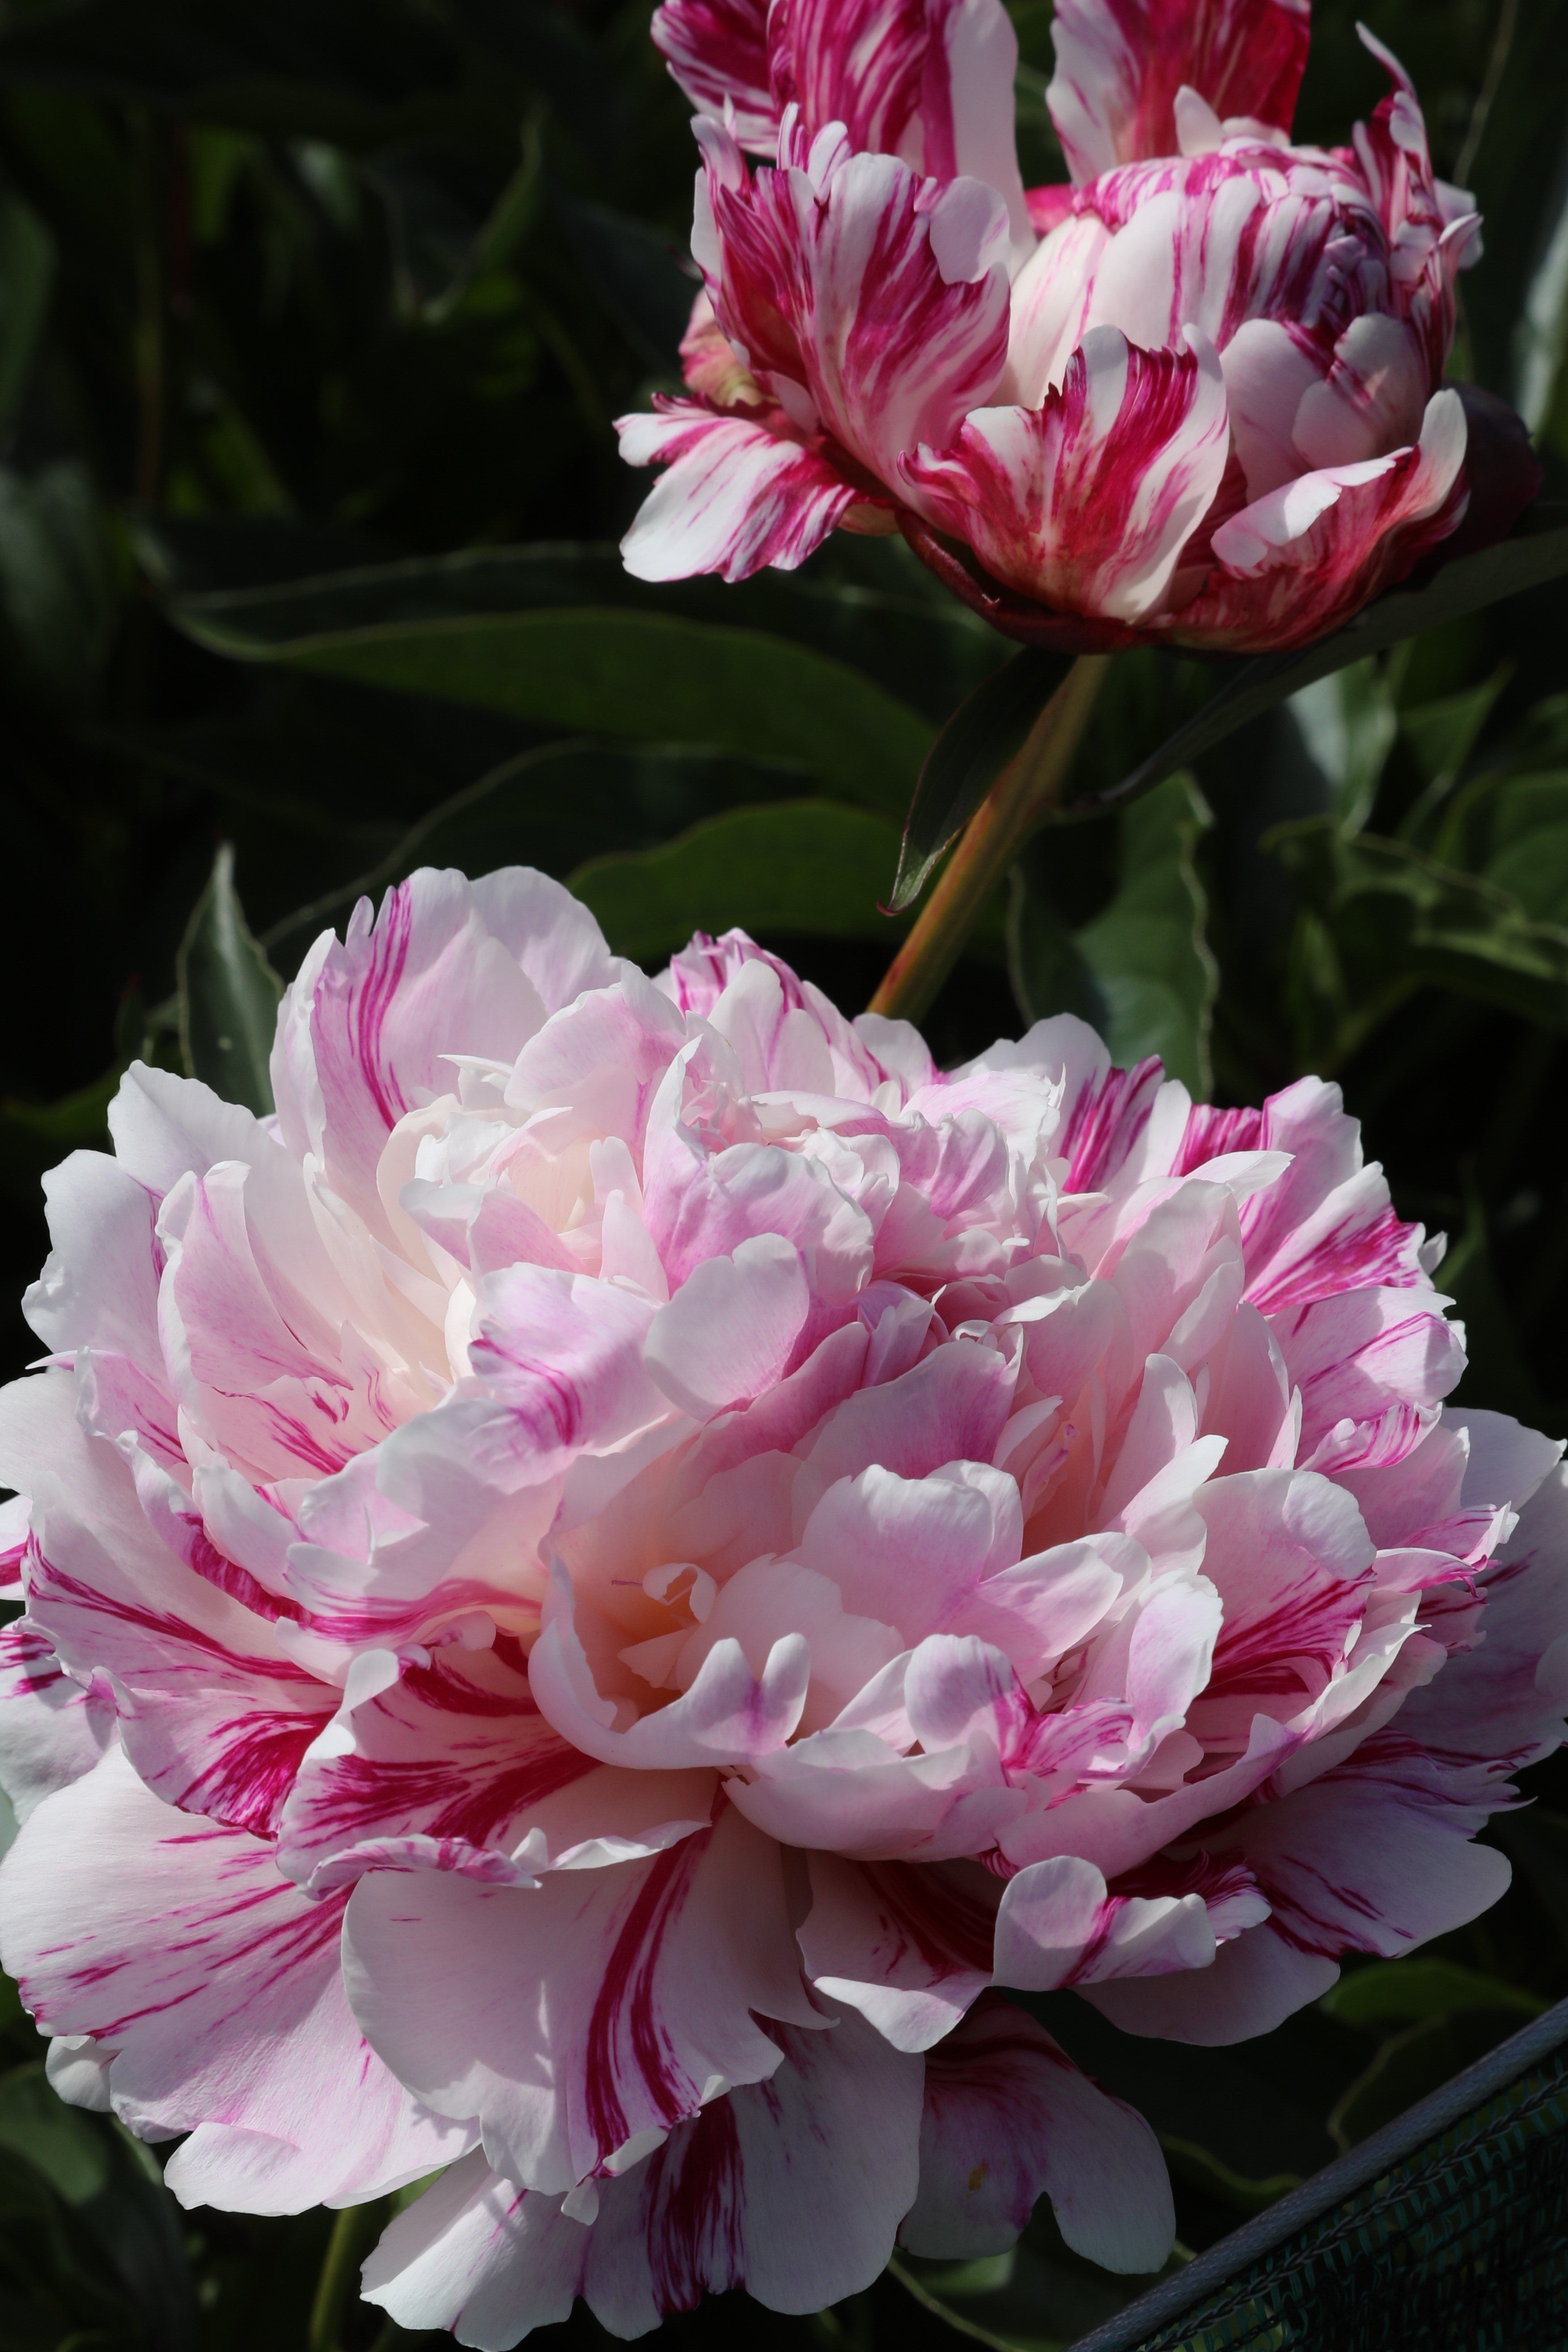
(1011, 614)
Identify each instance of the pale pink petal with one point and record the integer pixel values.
(1254, 1984)
(909, 1948)
(98, 1287)
(367, 1034)
(52, 1730)
(604, 2004)
(564, 1354)
(792, 2190)
(219, 1987)
(1009, 2119)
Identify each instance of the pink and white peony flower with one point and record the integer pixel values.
(1197, 394)
(600, 1587)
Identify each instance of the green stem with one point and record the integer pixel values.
(1021, 795)
(355, 2226)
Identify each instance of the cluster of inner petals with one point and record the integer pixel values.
(599, 1583)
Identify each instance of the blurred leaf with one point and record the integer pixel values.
(928, 652)
(927, 2294)
(551, 808)
(229, 996)
(623, 673)
(1536, 1842)
(279, 65)
(1536, 554)
(26, 275)
(1250, 2107)
(1396, 919)
(78, 1121)
(510, 221)
(58, 608)
(1442, 736)
(1514, 830)
(1411, 2065)
(639, 275)
(983, 735)
(71, 2153)
(1142, 972)
(1540, 335)
(1348, 722)
(1200, 2169)
(1420, 1988)
(803, 865)
(1496, 1373)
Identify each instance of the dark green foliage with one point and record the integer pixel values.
(313, 323)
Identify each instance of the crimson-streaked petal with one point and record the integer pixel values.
(717, 52)
(1507, 1695)
(1086, 503)
(737, 496)
(1009, 2118)
(909, 1948)
(1377, 1855)
(604, 2005)
(1060, 1924)
(452, 1761)
(1298, 562)
(218, 1986)
(215, 1711)
(930, 81)
(52, 1730)
(1120, 65)
(368, 1029)
(864, 300)
(792, 2190)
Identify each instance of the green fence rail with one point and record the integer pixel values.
(1446, 2231)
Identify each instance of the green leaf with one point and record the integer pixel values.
(1514, 830)
(58, 610)
(928, 654)
(1468, 585)
(1540, 335)
(635, 674)
(1142, 972)
(1537, 1844)
(1408, 1990)
(1201, 2168)
(284, 65)
(551, 808)
(68, 2149)
(26, 275)
(982, 736)
(1395, 918)
(229, 996)
(1410, 2067)
(804, 866)
(1348, 722)
(638, 274)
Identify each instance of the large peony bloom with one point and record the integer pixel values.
(596, 1584)
(1196, 394)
